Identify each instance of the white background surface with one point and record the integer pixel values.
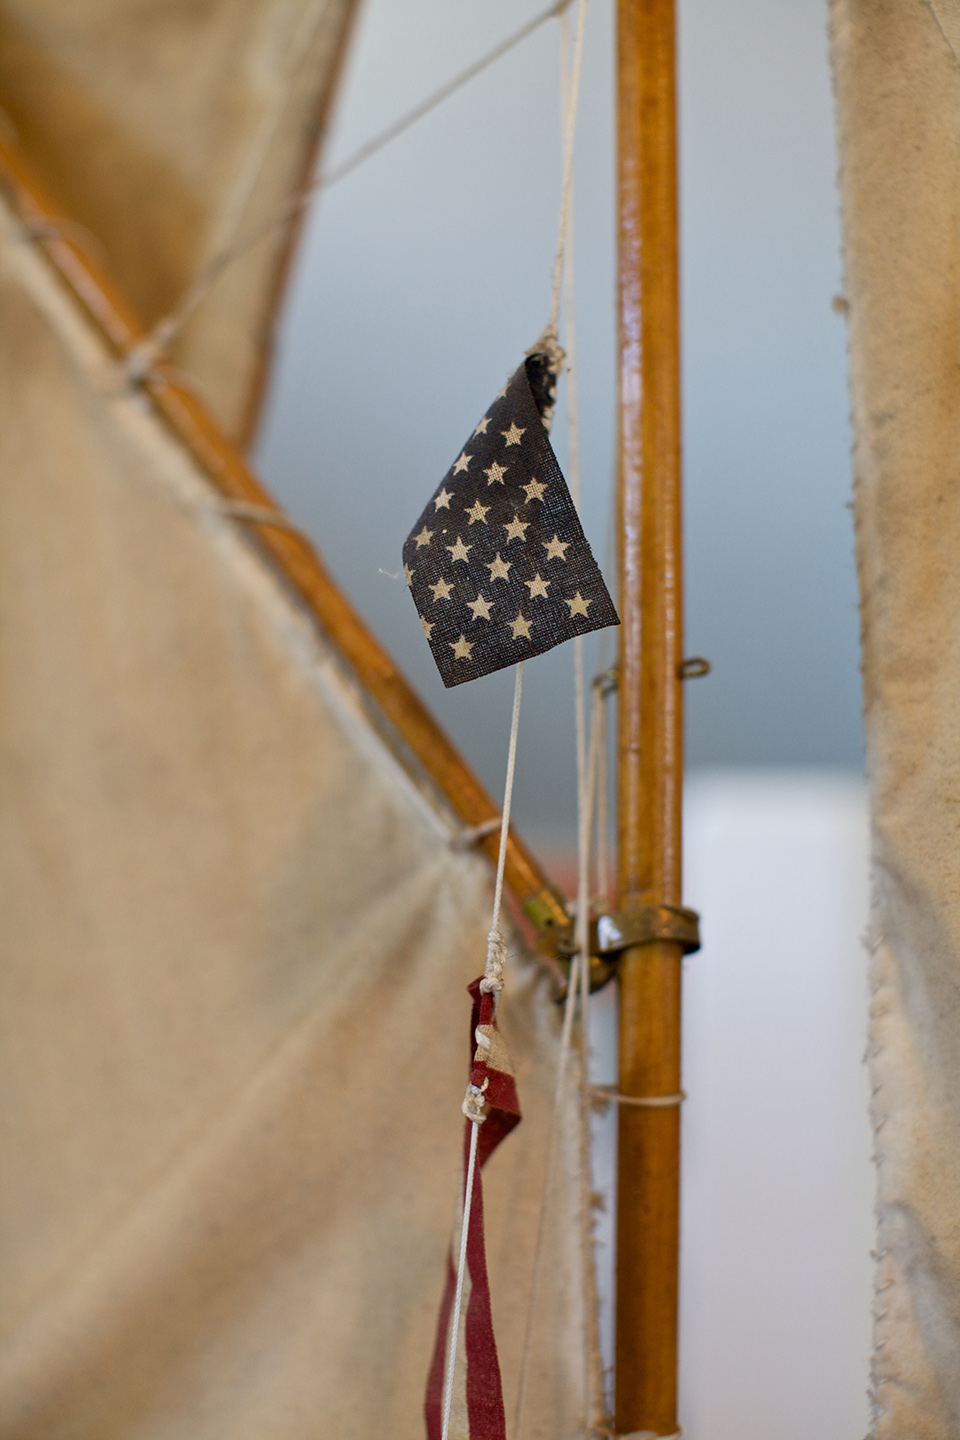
(777, 1182)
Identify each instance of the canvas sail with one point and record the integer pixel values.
(164, 128)
(236, 942)
(898, 98)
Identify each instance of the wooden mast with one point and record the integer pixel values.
(650, 757)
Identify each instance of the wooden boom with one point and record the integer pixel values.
(650, 755)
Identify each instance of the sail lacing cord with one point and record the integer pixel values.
(651, 1435)
(605, 1095)
(234, 246)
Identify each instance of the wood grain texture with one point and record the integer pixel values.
(650, 761)
(414, 734)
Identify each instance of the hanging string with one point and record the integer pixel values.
(586, 762)
(461, 1270)
(496, 948)
(603, 685)
(493, 977)
(492, 983)
(235, 246)
(578, 986)
(569, 133)
(592, 1374)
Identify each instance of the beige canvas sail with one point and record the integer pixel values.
(166, 129)
(898, 98)
(235, 944)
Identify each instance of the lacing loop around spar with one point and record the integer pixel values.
(603, 1096)
(651, 1435)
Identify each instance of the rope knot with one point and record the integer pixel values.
(474, 1105)
(492, 982)
(549, 345)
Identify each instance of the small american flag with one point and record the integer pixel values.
(498, 565)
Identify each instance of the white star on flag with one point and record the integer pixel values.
(461, 648)
(556, 548)
(482, 427)
(536, 586)
(442, 501)
(441, 591)
(578, 606)
(478, 512)
(459, 550)
(513, 436)
(495, 473)
(499, 568)
(520, 627)
(462, 463)
(517, 528)
(481, 608)
(424, 537)
(534, 491)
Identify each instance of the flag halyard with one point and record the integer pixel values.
(477, 1412)
(498, 564)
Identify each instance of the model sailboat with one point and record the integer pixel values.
(237, 889)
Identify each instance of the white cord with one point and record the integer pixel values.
(569, 133)
(507, 803)
(492, 983)
(461, 1267)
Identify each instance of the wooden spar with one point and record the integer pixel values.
(650, 758)
(291, 553)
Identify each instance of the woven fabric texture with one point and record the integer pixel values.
(898, 101)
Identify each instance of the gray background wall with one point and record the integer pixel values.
(425, 275)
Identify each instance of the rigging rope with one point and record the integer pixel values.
(493, 978)
(461, 1269)
(492, 983)
(235, 246)
(578, 986)
(571, 96)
